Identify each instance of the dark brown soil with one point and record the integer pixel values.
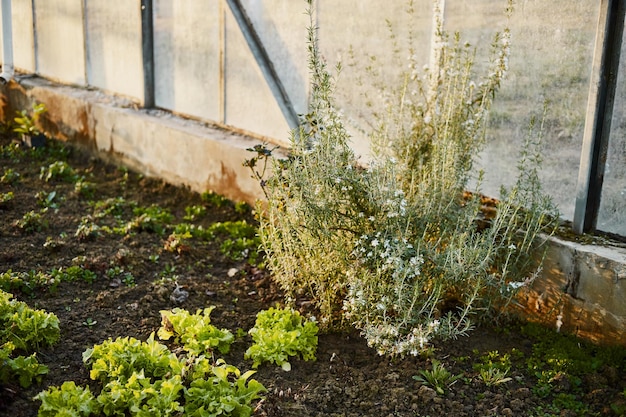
(348, 378)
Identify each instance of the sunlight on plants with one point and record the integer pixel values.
(399, 248)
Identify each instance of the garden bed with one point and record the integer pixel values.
(68, 211)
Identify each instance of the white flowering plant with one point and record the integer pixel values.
(399, 248)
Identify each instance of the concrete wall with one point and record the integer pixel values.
(582, 291)
(154, 142)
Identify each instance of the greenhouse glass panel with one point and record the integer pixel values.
(548, 81)
(612, 215)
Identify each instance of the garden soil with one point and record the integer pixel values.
(141, 272)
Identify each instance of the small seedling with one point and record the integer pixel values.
(85, 188)
(128, 279)
(27, 125)
(194, 212)
(5, 198)
(214, 199)
(90, 322)
(10, 177)
(47, 199)
(439, 378)
(59, 170)
(33, 221)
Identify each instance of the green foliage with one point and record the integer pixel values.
(194, 212)
(194, 331)
(242, 241)
(68, 400)
(279, 334)
(240, 238)
(439, 378)
(24, 281)
(88, 230)
(23, 330)
(27, 282)
(150, 219)
(493, 368)
(10, 177)
(5, 198)
(58, 171)
(146, 379)
(211, 392)
(74, 273)
(84, 188)
(26, 124)
(396, 247)
(26, 369)
(119, 359)
(33, 221)
(559, 356)
(47, 200)
(142, 396)
(214, 199)
(111, 206)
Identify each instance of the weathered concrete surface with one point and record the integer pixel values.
(582, 288)
(156, 143)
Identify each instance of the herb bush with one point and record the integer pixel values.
(399, 248)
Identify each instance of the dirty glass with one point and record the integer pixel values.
(612, 215)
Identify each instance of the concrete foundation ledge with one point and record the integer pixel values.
(153, 142)
(582, 288)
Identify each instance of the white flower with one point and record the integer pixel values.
(375, 243)
(516, 284)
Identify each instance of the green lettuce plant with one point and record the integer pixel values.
(398, 247)
(194, 331)
(24, 330)
(67, 400)
(147, 379)
(279, 334)
(220, 389)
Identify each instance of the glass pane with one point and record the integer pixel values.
(612, 216)
(550, 63)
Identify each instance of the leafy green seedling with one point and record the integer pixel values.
(5, 198)
(194, 212)
(89, 322)
(279, 334)
(60, 171)
(150, 219)
(84, 188)
(10, 177)
(26, 124)
(32, 221)
(438, 378)
(194, 331)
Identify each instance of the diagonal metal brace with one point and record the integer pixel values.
(265, 63)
